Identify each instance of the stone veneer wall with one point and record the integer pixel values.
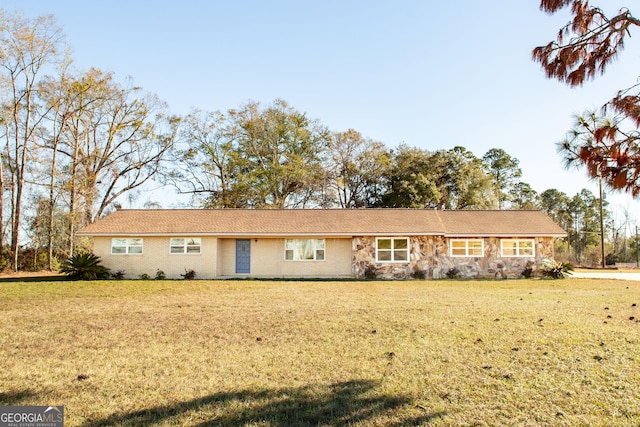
(364, 259)
(429, 255)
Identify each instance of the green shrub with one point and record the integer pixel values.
(419, 275)
(188, 274)
(370, 272)
(118, 275)
(160, 275)
(527, 273)
(84, 266)
(144, 276)
(556, 270)
(5, 258)
(453, 273)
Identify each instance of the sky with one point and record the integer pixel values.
(430, 76)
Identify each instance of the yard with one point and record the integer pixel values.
(266, 353)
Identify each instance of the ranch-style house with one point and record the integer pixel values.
(323, 243)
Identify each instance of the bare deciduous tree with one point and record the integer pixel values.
(356, 167)
(28, 48)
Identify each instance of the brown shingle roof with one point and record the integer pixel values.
(499, 223)
(326, 222)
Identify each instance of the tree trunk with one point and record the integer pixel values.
(72, 195)
(51, 207)
(21, 159)
(1, 205)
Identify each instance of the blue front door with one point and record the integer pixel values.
(243, 256)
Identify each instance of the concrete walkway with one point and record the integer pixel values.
(605, 275)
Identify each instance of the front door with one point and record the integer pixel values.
(243, 256)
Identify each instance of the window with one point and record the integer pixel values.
(188, 245)
(392, 250)
(517, 247)
(467, 248)
(304, 249)
(126, 246)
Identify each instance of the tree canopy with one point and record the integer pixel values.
(606, 142)
(74, 144)
(71, 141)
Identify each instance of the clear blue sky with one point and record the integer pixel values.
(431, 76)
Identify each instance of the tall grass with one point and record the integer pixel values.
(523, 352)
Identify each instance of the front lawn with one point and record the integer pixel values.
(442, 353)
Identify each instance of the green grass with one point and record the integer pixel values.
(442, 353)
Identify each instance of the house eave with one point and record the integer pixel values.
(501, 235)
(253, 235)
(334, 235)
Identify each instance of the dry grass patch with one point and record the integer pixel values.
(527, 352)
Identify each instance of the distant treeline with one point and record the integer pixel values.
(75, 143)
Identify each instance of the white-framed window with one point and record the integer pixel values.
(126, 246)
(304, 249)
(517, 247)
(185, 245)
(466, 247)
(392, 249)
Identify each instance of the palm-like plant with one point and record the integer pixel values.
(556, 270)
(84, 266)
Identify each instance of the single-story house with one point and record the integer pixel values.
(317, 243)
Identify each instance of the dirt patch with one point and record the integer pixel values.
(27, 274)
